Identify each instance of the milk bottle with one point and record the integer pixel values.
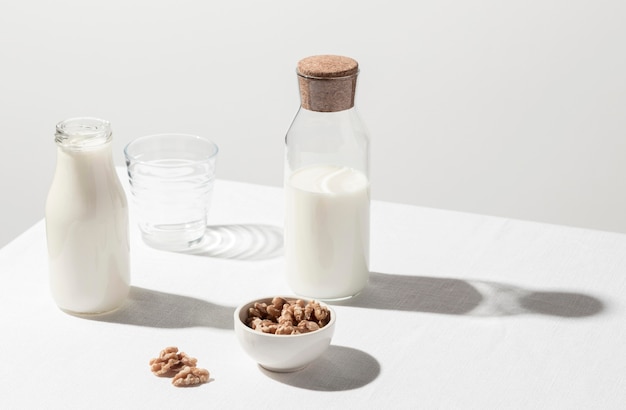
(326, 184)
(87, 221)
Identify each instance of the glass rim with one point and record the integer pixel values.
(136, 158)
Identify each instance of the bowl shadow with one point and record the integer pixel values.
(340, 368)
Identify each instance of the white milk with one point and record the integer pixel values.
(87, 232)
(327, 232)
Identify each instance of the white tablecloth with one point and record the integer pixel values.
(462, 311)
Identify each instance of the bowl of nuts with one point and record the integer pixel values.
(284, 334)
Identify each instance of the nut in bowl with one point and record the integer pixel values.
(289, 333)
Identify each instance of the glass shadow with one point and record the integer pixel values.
(241, 241)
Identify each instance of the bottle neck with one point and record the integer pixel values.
(327, 94)
(83, 134)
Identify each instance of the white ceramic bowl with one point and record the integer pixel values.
(282, 353)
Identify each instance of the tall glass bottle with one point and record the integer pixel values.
(87, 221)
(327, 184)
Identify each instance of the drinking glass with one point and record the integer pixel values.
(171, 178)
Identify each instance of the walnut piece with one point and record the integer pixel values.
(190, 376)
(180, 366)
(287, 317)
(170, 361)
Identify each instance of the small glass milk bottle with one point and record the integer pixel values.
(327, 184)
(87, 221)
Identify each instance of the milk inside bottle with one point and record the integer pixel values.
(327, 231)
(87, 221)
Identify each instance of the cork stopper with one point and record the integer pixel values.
(327, 82)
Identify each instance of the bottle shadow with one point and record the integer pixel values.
(340, 368)
(469, 297)
(150, 308)
(240, 241)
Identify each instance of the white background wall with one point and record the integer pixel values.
(510, 108)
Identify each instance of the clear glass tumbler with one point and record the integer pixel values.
(171, 178)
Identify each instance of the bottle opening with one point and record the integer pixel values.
(83, 133)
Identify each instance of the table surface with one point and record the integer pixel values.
(462, 311)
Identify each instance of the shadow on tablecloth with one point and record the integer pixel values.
(339, 368)
(150, 308)
(469, 297)
(241, 241)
